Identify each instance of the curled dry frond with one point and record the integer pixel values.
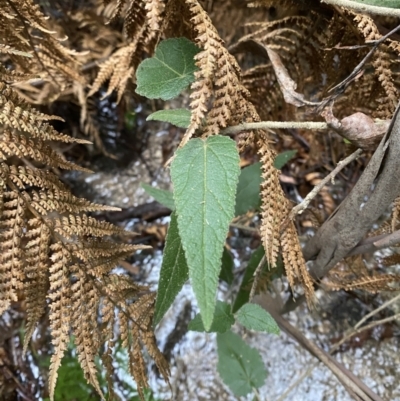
(278, 235)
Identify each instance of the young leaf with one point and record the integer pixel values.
(253, 317)
(244, 290)
(174, 271)
(283, 158)
(162, 196)
(240, 366)
(169, 71)
(248, 192)
(227, 267)
(205, 174)
(223, 319)
(178, 117)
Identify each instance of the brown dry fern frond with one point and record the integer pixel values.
(391, 260)
(177, 27)
(278, 235)
(52, 253)
(273, 206)
(220, 98)
(48, 58)
(353, 274)
(288, 37)
(395, 214)
(210, 42)
(322, 40)
(142, 22)
(374, 283)
(382, 65)
(118, 69)
(217, 90)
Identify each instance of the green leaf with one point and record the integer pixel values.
(169, 71)
(162, 196)
(253, 317)
(205, 175)
(244, 290)
(248, 192)
(283, 158)
(174, 271)
(223, 319)
(380, 3)
(240, 366)
(226, 273)
(71, 383)
(130, 120)
(178, 117)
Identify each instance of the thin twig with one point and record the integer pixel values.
(304, 204)
(257, 274)
(356, 330)
(375, 311)
(365, 8)
(367, 327)
(310, 125)
(352, 383)
(275, 125)
(271, 125)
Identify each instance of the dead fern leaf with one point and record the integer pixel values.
(60, 312)
(373, 284)
(12, 255)
(395, 214)
(391, 260)
(382, 64)
(272, 208)
(142, 21)
(36, 283)
(353, 274)
(220, 99)
(58, 257)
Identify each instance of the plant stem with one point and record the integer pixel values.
(275, 125)
(304, 204)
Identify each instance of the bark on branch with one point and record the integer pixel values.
(376, 189)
